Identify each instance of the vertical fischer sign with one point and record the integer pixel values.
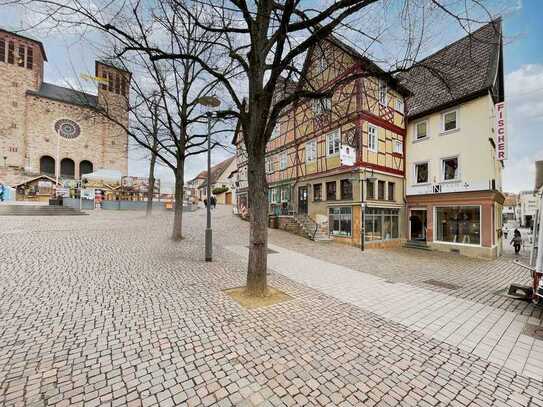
(501, 135)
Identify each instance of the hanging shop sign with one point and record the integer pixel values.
(347, 155)
(501, 134)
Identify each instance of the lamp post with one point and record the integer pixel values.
(211, 102)
(361, 178)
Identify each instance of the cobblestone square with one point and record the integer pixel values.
(105, 310)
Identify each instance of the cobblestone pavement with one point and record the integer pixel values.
(106, 310)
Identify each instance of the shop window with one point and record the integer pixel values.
(421, 173)
(11, 52)
(370, 190)
(2, 50)
(372, 138)
(381, 190)
(29, 57)
(381, 224)
(450, 121)
(461, 224)
(421, 130)
(391, 188)
(317, 192)
(340, 221)
(346, 189)
(311, 150)
(331, 191)
(333, 142)
(449, 169)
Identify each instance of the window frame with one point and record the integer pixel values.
(319, 199)
(415, 177)
(383, 85)
(275, 132)
(400, 106)
(30, 57)
(334, 198)
(332, 136)
(416, 124)
(269, 165)
(375, 149)
(442, 168)
(283, 161)
(435, 234)
(3, 52)
(11, 52)
(395, 148)
(456, 118)
(340, 216)
(311, 146)
(393, 190)
(349, 196)
(321, 106)
(372, 189)
(381, 196)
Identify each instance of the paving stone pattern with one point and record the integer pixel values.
(105, 310)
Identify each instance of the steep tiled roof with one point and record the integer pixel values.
(464, 69)
(216, 171)
(66, 95)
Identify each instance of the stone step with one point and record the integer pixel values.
(414, 244)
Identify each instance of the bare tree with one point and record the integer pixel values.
(259, 48)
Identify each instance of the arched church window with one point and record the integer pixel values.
(85, 167)
(47, 165)
(67, 168)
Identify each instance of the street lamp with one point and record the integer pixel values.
(210, 102)
(362, 178)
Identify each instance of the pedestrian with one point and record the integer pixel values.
(205, 202)
(2, 189)
(213, 201)
(516, 241)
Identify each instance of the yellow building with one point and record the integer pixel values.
(453, 179)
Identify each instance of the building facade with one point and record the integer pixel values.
(529, 204)
(424, 166)
(53, 130)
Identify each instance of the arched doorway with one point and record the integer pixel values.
(47, 165)
(85, 167)
(67, 168)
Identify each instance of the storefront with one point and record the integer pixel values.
(279, 198)
(467, 223)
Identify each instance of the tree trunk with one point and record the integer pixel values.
(177, 233)
(258, 211)
(151, 191)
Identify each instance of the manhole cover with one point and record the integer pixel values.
(534, 331)
(442, 284)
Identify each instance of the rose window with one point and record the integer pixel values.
(67, 128)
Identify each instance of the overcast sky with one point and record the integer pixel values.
(523, 56)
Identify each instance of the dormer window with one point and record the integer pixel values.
(21, 56)
(11, 52)
(29, 57)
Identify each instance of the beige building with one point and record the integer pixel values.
(53, 130)
(453, 179)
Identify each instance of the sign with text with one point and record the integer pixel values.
(501, 134)
(347, 155)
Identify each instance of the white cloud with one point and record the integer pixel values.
(524, 99)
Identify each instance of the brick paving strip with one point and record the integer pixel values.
(493, 334)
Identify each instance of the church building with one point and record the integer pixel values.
(46, 129)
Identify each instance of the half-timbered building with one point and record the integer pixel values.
(329, 159)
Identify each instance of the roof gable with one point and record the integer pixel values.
(463, 70)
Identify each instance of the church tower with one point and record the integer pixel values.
(113, 97)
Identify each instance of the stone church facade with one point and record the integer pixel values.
(53, 130)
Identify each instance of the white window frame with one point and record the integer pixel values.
(283, 194)
(442, 168)
(400, 105)
(415, 182)
(274, 195)
(269, 165)
(320, 106)
(311, 150)
(283, 161)
(333, 136)
(456, 112)
(375, 136)
(275, 132)
(383, 85)
(398, 147)
(417, 138)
